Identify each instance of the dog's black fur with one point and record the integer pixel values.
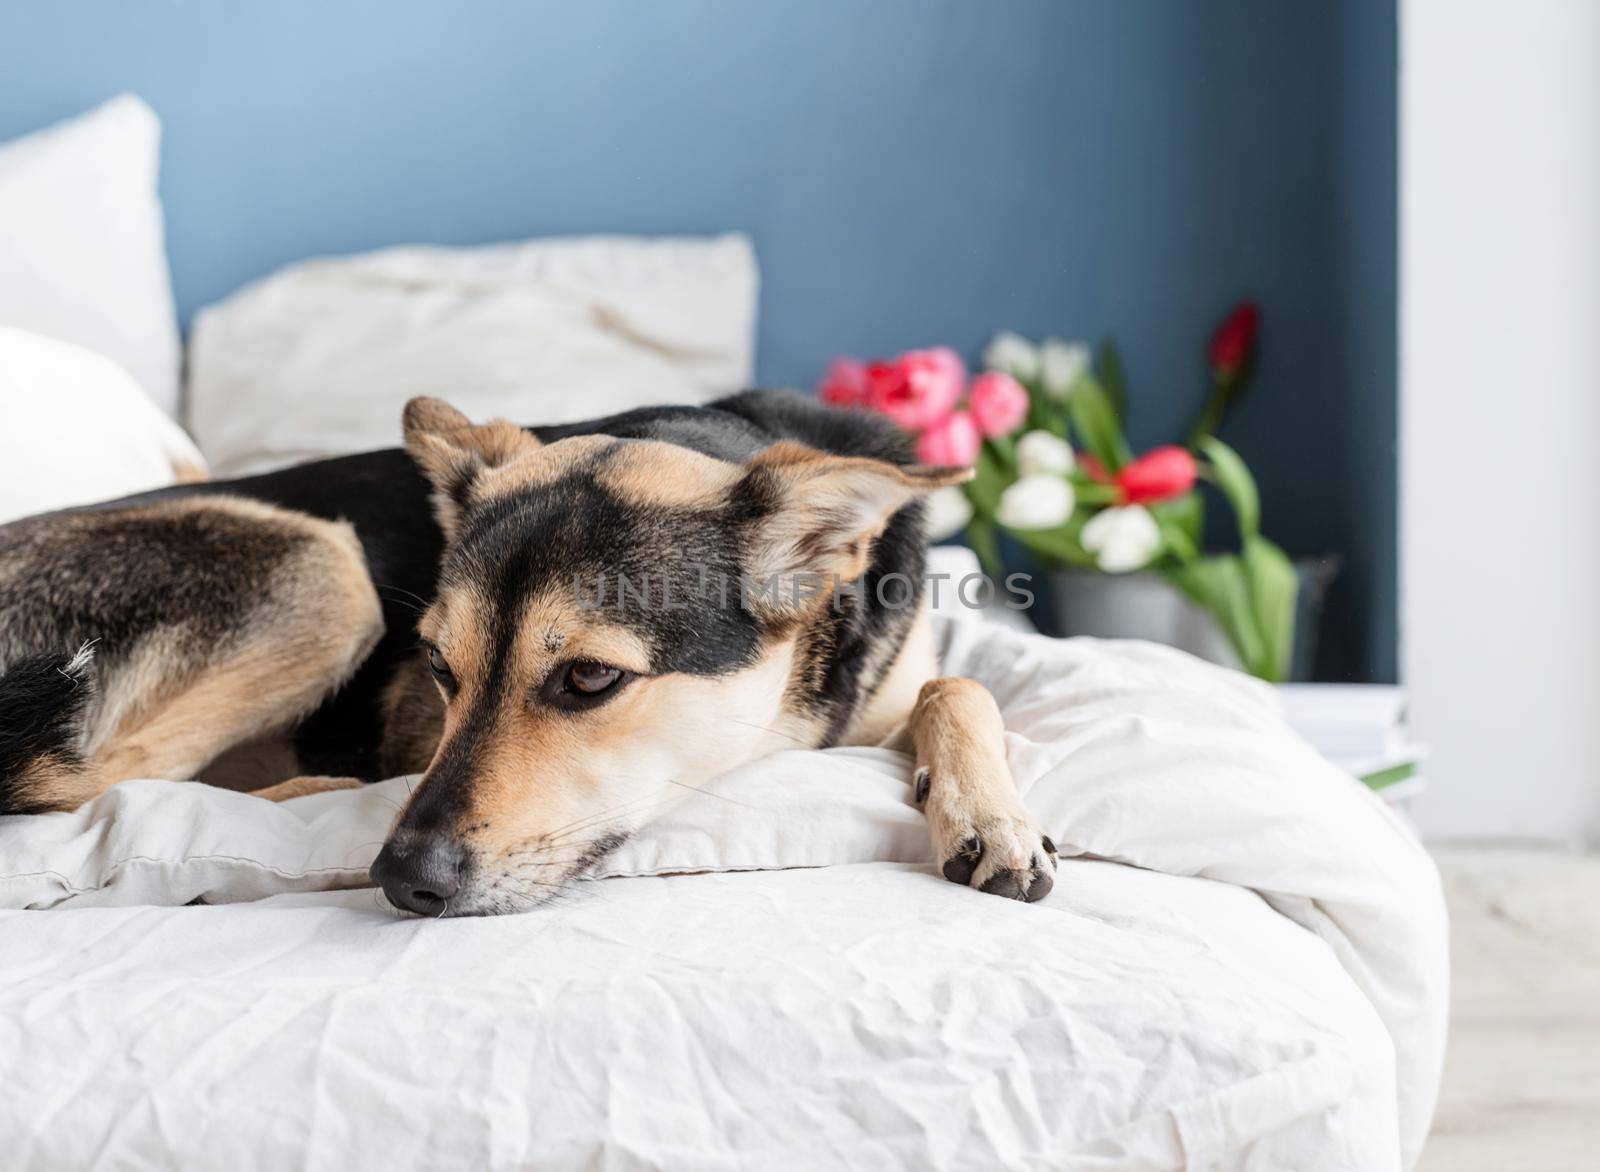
(45, 698)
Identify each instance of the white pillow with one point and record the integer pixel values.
(78, 429)
(82, 255)
(319, 358)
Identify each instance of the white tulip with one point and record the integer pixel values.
(1122, 539)
(1013, 354)
(1040, 501)
(945, 513)
(1040, 451)
(1062, 364)
(1122, 558)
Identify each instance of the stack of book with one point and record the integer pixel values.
(1361, 728)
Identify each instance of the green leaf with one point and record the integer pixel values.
(1220, 586)
(1089, 492)
(1109, 365)
(1383, 778)
(1187, 512)
(982, 538)
(1236, 483)
(1004, 451)
(1273, 587)
(1095, 421)
(1177, 540)
(1044, 412)
(1061, 545)
(990, 478)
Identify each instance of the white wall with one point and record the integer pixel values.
(1500, 411)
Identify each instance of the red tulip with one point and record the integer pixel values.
(1158, 475)
(885, 383)
(1234, 340)
(1093, 469)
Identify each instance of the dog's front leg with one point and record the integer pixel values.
(983, 836)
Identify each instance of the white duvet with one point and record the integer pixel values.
(1243, 966)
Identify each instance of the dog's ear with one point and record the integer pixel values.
(453, 452)
(819, 515)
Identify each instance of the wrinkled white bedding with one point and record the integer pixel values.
(1243, 967)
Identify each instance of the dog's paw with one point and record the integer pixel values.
(999, 852)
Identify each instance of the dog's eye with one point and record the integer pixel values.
(582, 684)
(591, 679)
(439, 666)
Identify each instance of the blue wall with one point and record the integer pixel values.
(912, 171)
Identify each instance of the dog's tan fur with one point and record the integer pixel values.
(835, 507)
(688, 479)
(299, 787)
(960, 747)
(413, 721)
(168, 713)
(884, 719)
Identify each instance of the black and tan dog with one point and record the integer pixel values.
(582, 657)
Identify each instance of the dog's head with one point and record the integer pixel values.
(616, 622)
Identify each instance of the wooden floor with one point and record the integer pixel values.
(1522, 1078)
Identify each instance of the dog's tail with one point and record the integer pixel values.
(44, 707)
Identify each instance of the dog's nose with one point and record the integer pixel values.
(420, 876)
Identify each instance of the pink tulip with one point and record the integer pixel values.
(918, 389)
(951, 443)
(844, 384)
(998, 402)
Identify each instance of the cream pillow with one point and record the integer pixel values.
(78, 429)
(82, 254)
(318, 359)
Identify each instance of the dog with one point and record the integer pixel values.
(562, 629)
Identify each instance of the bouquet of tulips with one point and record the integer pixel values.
(1041, 425)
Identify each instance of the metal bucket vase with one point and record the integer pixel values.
(1146, 606)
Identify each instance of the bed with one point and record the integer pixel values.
(1242, 966)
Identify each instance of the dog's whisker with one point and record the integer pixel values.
(391, 801)
(777, 732)
(360, 846)
(401, 595)
(401, 602)
(561, 833)
(710, 793)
